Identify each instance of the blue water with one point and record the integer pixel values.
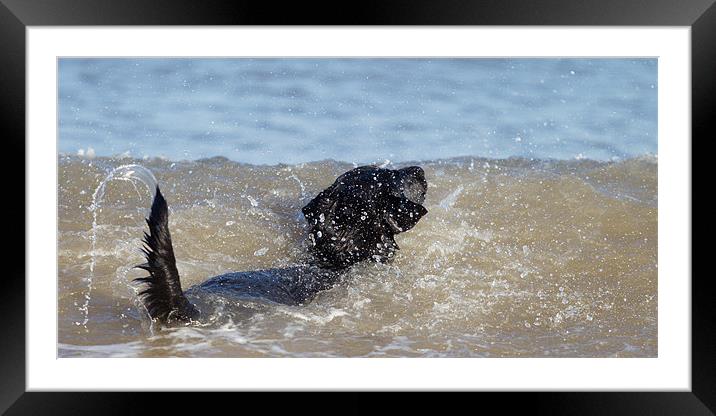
(268, 111)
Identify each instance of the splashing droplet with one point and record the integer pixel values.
(129, 173)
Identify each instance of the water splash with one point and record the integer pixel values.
(130, 173)
(304, 195)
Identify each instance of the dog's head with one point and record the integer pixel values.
(356, 218)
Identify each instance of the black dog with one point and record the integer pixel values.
(353, 220)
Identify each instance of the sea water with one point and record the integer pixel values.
(540, 238)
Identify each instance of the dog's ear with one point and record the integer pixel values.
(321, 204)
(401, 214)
(325, 202)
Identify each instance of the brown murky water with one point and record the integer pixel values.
(515, 258)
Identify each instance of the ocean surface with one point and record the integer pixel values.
(268, 111)
(540, 238)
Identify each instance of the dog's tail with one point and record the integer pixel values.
(162, 294)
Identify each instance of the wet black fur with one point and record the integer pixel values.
(356, 218)
(353, 220)
(162, 295)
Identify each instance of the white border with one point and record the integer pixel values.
(670, 371)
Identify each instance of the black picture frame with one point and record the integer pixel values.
(16, 15)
